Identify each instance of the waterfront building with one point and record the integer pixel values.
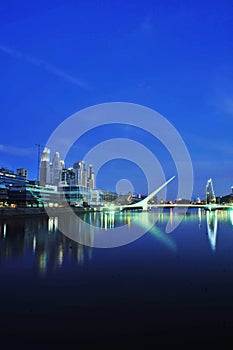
(36, 196)
(3, 194)
(74, 195)
(9, 178)
(17, 190)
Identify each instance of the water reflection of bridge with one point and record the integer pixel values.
(212, 218)
(212, 226)
(41, 239)
(145, 205)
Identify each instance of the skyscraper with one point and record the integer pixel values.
(78, 175)
(55, 169)
(45, 167)
(81, 173)
(91, 178)
(62, 164)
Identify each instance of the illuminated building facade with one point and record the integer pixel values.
(74, 195)
(50, 172)
(33, 196)
(9, 178)
(3, 194)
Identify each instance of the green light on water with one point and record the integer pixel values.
(149, 226)
(157, 233)
(231, 216)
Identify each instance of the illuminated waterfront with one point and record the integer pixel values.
(161, 289)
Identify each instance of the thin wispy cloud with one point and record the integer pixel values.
(17, 151)
(44, 65)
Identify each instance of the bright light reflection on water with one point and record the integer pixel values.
(159, 285)
(231, 216)
(41, 236)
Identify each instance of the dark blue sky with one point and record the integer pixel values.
(176, 57)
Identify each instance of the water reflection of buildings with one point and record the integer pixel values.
(40, 239)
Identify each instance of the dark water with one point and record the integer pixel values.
(162, 289)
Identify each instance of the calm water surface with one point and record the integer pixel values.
(162, 289)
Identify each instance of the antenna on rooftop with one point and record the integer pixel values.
(38, 160)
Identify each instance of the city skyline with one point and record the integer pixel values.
(56, 172)
(173, 57)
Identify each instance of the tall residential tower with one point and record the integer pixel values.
(45, 167)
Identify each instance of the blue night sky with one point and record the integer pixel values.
(176, 57)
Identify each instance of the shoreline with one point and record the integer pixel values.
(8, 212)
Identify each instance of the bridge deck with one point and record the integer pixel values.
(174, 205)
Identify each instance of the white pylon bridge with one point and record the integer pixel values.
(144, 202)
(144, 205)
